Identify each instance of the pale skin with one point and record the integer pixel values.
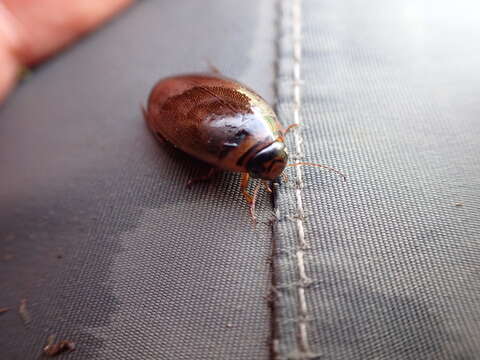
(32, 31)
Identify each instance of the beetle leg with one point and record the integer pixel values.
(207, 177)
(252, 205)
(243, 186)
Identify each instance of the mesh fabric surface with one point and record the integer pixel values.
(389, 96)
(149, 269)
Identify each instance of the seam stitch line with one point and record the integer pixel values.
(295, 342)
(302, 330)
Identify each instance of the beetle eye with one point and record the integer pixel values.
(255, 168)
(269, 162)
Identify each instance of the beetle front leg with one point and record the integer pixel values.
(244, 186)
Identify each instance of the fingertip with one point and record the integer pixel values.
(8, 72)
(45, 27)
(9, 64)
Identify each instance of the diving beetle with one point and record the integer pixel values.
(221, 122)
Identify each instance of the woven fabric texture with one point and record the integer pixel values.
(391, 257)
(98, 231)
(99, 234)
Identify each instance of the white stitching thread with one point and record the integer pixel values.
(303, 344)
(291, 14)
(302, 330)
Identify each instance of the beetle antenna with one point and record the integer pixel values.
(289, 127)
(252, 205)
(319, 165)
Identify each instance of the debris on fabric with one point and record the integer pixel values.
(52, 349)
(4, 310)
(23, 311)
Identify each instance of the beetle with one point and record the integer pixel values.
(221, 122)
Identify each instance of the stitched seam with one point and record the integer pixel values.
(302, 326)
(289, 89)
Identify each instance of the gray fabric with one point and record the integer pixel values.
(99, 234)
(148, 268)
(390, 96)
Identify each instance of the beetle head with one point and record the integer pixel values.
(268, 163)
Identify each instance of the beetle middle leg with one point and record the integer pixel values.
(207, 177)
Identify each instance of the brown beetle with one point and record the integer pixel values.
(221, 122)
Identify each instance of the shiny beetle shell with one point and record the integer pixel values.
(219, 121)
